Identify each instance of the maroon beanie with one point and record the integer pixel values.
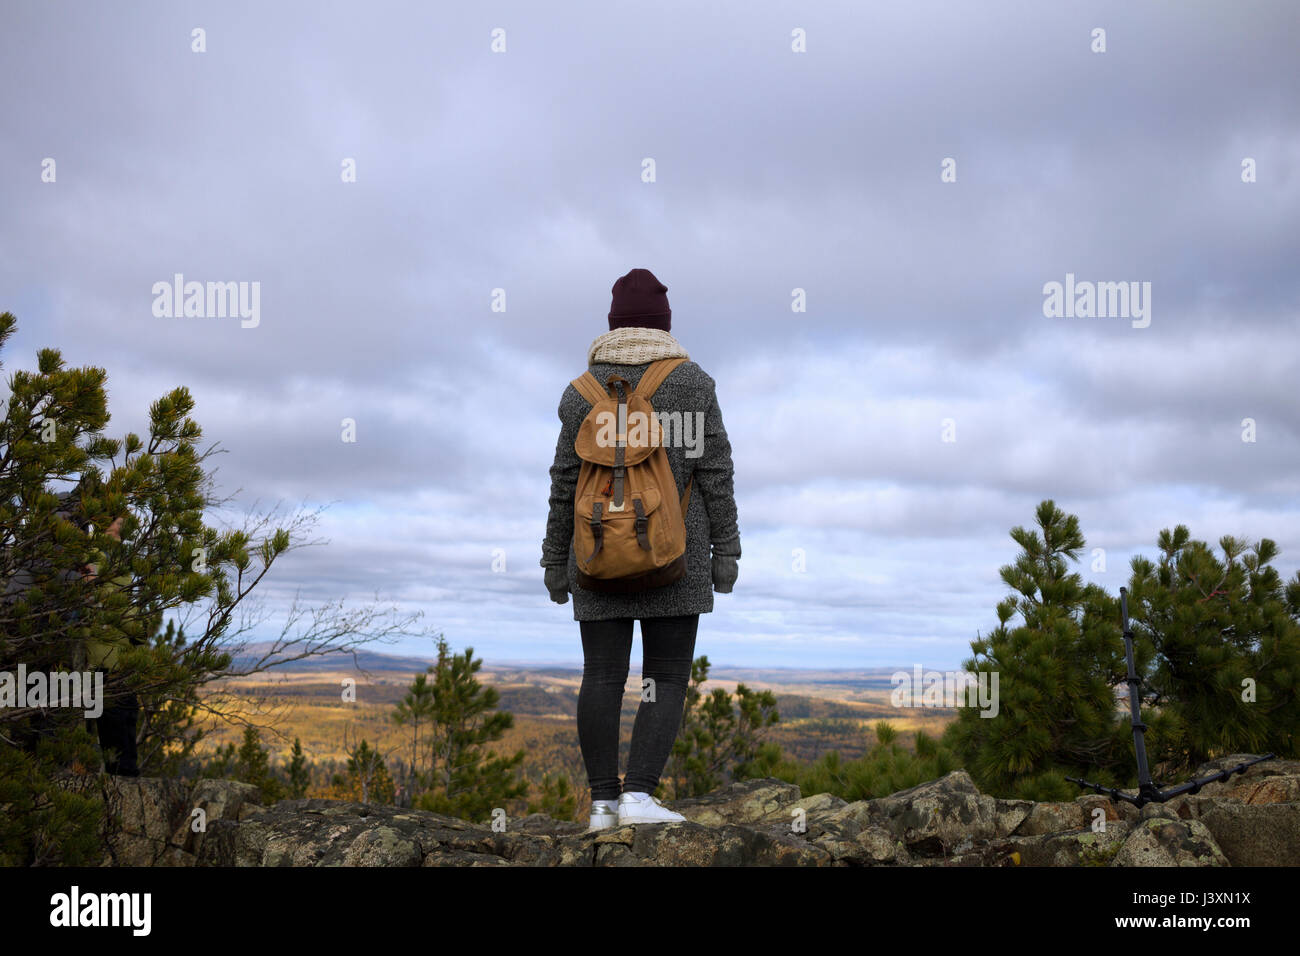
(640, 301)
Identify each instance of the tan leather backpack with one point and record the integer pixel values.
(629, 529)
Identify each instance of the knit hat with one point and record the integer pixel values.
(640, 301)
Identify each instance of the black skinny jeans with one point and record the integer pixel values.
(116, 728)
(668, 647)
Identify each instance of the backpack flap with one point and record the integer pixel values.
(599, 436)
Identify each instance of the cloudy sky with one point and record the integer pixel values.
(775, 169)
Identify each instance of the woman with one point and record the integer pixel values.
(639, 323)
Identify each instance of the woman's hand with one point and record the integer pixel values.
(726, 564)
(557, 583)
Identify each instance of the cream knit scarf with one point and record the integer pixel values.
(634, 346)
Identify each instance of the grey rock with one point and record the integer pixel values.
(1161, 841)
(1010, 814)
(746, 802)
(692, 844)
(869, 846)
(219, 800)
(939, 818)
(142, 814)
(1083, 847)
(1255, 834)
(1052, 818)
(1158, 810)
(1250, 820)
(1113, 810)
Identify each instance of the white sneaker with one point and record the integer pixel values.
(643, 808)
(604, 814)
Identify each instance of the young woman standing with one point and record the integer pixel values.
(639, 324)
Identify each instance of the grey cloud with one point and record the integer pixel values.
(775, 171)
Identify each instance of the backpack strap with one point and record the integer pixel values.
(650, 381)
(654, 376)
(589, 387)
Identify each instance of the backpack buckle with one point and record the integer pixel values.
(642, 524)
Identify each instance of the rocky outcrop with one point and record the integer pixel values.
(158, 822)
(1254, 817)
(1250, 820)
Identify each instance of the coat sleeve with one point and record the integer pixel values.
(714, 480)
(564, 481)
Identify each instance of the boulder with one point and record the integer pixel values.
(1112, 809)
(745, 802)
(329, 833)
(939, 818)
(866, 846)
(1269, 768)
(843, 830)
(218, 800)
(1083, 847)
(1052, 818)
(1273, 781)
(1255, 834)
(1009, 814)
(694, 844)
(141, 816)
(1159, 840)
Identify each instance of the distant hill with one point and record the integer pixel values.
(849, 678)
(365, 660)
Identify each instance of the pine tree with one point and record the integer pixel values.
(415, 710)
(558, 799)
(168, 731)
(1218, 629)
(464, 778)
(250, 763)
(719, 739)
(886, 768)
(367, 779)
(62, 484)
(49, 817)
(299, 772)
(1056, 670)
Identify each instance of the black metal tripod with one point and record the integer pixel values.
(1148, 792)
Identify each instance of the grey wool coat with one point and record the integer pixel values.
(710, 516)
